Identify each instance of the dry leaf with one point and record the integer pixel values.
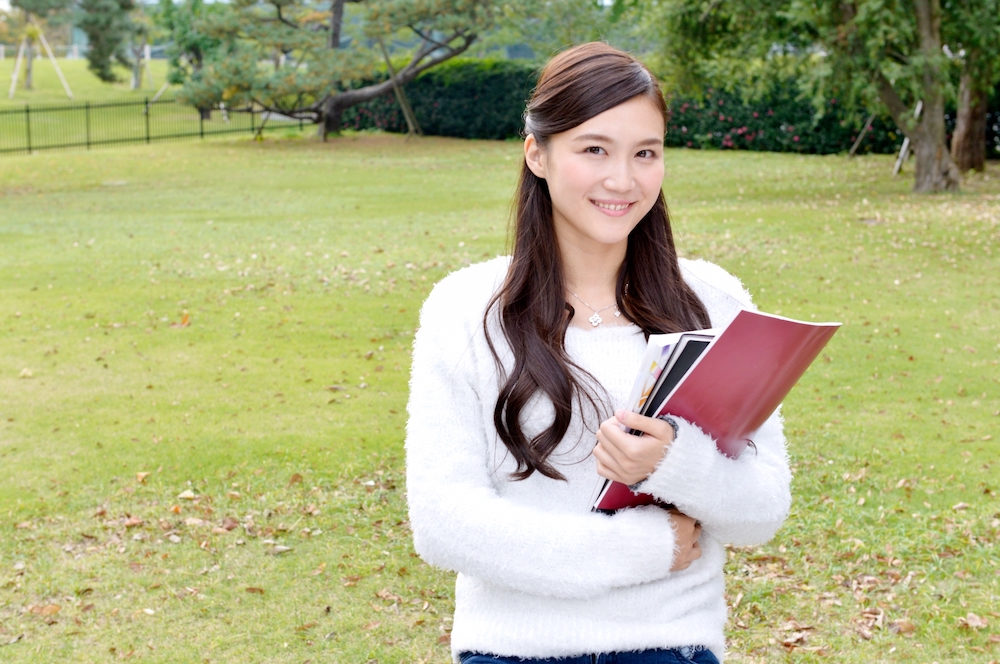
(371, 625)
(255, 591)
(444, 639)
(47, 610)
(350, 580)
(132, 522)
(972, 621)
(141, 477)
(294, 479)
(187, 494)
(194, 521)
(278, 550)
(904, 627)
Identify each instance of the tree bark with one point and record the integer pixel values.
(968, 145)
(935, 171)
(333, 112)
(336, 22)
(29, 66)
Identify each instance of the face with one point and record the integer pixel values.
(603, 175)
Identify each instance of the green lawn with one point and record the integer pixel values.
(204, 366)
(85, 86)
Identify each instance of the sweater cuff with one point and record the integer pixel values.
(689, 466)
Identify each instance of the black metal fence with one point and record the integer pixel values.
(87, 125)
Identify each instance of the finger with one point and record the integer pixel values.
(647, 425)
(606, 464)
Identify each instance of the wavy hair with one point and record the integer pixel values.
(575, 86)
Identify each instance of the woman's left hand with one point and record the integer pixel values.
(626, 458)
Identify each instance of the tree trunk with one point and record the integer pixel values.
(332, 117)
(968, 145)
(205, 113)
(29, 66)
(935, 170)
(336, 22)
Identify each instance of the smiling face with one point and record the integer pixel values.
(603, 175)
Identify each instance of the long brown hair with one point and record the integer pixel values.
(575, 86)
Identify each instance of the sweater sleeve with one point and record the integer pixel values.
(739, 501)
(459, 520)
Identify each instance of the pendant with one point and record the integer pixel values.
(617, 313)
(596, 319)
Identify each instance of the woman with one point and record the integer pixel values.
(516, 362)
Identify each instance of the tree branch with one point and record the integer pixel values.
(897, 109)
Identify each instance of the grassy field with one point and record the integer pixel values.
(204, 366)
(85, 86)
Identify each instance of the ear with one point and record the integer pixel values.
(534, 156)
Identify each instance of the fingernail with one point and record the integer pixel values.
(620, 414)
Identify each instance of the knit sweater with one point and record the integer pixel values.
(539, 574)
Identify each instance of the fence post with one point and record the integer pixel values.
(253, 120)
(147, 118)
(27, 124)
(87, 109)
(201, 124)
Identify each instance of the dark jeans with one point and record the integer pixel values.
(673, 656)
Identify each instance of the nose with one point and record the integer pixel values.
(619, 176)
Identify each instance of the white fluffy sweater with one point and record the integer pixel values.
(539, 574)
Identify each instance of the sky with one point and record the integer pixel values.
(5, 5)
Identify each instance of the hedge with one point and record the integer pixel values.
(484, 98)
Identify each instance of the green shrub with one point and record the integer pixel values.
(473, 98)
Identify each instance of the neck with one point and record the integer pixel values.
(593, 273)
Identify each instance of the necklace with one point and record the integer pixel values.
(596, 319)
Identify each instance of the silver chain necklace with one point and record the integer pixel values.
(596, 319)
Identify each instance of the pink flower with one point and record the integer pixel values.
(795, 138)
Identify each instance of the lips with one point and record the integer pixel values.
(609, 206)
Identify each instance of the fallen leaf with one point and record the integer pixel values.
(132, 522)
(972, 621)
(278, 550)
(229, 523)
(444, 639)
(25, 373)
(302, 628)
(194, 521)
(187, 494)
(47, 610)
(294, 479)
(255, 591)
(350, 580)
(904, 627)
(958, 507)
(372, 625)
(141, 477)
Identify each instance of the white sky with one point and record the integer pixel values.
(5, 5)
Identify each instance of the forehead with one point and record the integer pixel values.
(635, 121)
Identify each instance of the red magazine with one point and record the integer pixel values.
(734, 386)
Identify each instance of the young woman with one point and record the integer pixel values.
(516, 363)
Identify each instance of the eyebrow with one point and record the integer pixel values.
(606, 139)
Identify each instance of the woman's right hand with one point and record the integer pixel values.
(686, 531)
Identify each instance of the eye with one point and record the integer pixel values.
(645, 154)
(594, 149)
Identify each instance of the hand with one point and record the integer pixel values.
(626, 458)
(686, 532)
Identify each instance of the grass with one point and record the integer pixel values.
(84, 85)
(204, 360)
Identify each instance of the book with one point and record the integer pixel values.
(727, 382)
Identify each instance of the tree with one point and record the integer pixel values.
(974, 36)
(108, 26)
(873, 51)
(189, 26)
(328, 58)
(550, 26)
(35, 11)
